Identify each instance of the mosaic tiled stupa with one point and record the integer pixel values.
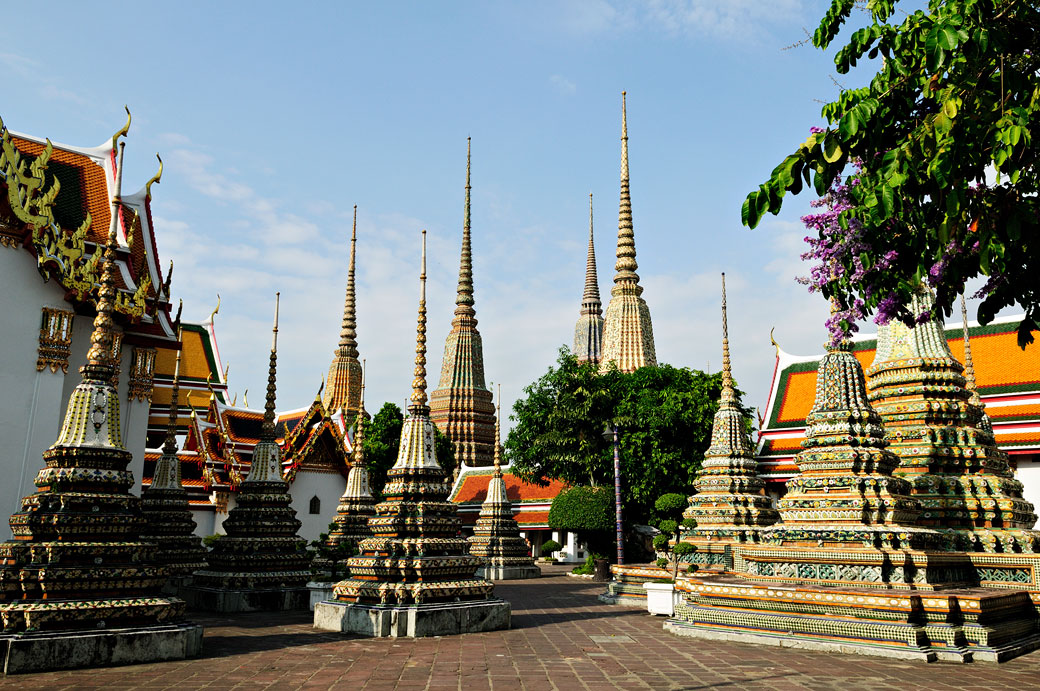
(847, 568)
(357, 504)
(496, 536)
(78, 586)
(343, 387)
(415, 576)
(588, 332)
(628, 334)
(963, 481)
(730, 504)
(260, 564)
(845, 516)
(461, 405)
(165, 505)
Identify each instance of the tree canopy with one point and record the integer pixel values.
(589, 513)
(383, 438)
(664, 415)
(946, 181)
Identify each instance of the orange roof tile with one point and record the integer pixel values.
(473, 488)
(94, 187)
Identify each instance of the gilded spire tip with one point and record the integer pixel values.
(728, 394)
(100, 354)
(417, 404)
(626, 264)
(267, 431)
(464, 296)
(498, 432)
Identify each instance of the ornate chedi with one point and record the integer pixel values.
(415, 576)
(847, 568)
(961, 478)
(461, 405)
(628, 334)
(260, 564)
(357, 504)
(496, 536)
(165, 505)
(342, 389)
(588, 332)
(730, 504)
(78, 586)
(846, 518)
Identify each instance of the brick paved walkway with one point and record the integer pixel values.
(562, 638)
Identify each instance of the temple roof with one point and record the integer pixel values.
(200, 373)
(530, 502)
(80, 217)
(1008, 379)
(225, 437)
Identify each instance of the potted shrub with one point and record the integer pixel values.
(660, 597)
(549, 548)
(589, 513)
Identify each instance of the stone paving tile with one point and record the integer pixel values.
(562, 639)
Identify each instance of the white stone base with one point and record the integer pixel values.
(320, 590)
(41, 652)
(415, 621)
(509, 573)
(229, 601)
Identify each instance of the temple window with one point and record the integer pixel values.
(315, 505)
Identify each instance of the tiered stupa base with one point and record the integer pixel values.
(48, 651)
(961, 625)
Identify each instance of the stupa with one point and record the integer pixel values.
(357, 504)
(415, 576)
(496, 536)
(848, 568)
(963, 481)
(260, 564)
(588, 332)
(461, 405)
(730, 504)
(78, 586)
(165, 505)
(342, 389)
(628, 333)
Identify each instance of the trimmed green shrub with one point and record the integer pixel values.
(587, 512)
(210, 540)
(549, 547)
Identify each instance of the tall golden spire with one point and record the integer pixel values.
(628, 332)
(267, 431)
(341, 390)
(359, 432)
(729, 395)
(170, 443)
(498, 432)
(969, 365)
(418, 398)
(100, 353)
(348, 332)
(591, 303)
(92, 413)
(464, 297)
(626, 243)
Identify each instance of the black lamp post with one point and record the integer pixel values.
(611, 433)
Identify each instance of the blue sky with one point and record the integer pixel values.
(274, 119)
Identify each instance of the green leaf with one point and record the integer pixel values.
(831, 149)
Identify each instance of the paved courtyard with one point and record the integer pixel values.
(562, 638)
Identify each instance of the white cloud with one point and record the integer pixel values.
(562, 84)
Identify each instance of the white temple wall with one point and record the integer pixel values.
(1028, 474)
(33, 402)
(204, 518)
(328, 487)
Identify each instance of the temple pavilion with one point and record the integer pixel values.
(55, 213)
